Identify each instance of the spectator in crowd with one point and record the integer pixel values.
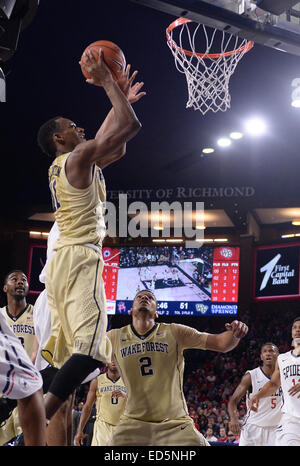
(223, 436)
(209, 435)
(202, 422)
(232, 438)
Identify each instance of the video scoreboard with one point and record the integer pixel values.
(186, 281)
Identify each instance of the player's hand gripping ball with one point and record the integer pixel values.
(113, 57)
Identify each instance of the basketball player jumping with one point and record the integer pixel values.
(258, 429)
(75, 290)
(59, 430)
(286, 375)
(149, 357)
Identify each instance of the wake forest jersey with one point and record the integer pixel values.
(289, 367)
(22, 326)
(152, 366)
(109, 409)
(79, 212)
(269, 411)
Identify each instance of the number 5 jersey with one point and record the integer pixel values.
(269, 411)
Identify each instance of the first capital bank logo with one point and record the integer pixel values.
(275, 273)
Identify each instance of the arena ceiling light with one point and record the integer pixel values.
(255, 126)
(296, 222)
(296, 93)
(212, 240)
(174, 240)
(204, 240)
(208, 150)
(296, 103)
(36, 234)
(236, 135)
(224, 142)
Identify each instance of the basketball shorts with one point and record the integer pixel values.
(18, 376)
(132, 432)
(289, 431)
(102, 433)
(256, 436)
(77, 303)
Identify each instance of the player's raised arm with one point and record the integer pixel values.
(188, 337)
(227, 341)
(267, 390)
(124, 125)
(134, 94)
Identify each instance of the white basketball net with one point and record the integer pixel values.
(207, 73)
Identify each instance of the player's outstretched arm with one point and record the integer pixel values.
(134, 94)
(125, 123)
(228, 340)
(85, 414)
(234, 401)
(188, 337)
(267, 390)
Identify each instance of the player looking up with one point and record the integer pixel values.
(149, 357)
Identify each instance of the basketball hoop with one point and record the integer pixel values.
(207, 73)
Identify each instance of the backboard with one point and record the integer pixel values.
(272, 23)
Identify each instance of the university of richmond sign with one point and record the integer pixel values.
(180, 192)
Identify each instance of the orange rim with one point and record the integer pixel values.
(180, 21)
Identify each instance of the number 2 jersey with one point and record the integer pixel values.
(269, 409)
(289, 367)
(152, 366)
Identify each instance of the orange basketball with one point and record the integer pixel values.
(112, 54)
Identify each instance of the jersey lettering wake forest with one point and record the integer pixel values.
(151, 367)
(109, 408)
(22, 326)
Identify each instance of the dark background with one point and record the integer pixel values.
(44, 80)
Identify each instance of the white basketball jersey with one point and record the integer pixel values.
(41, 311)
(289, 367)
(269, 409)
(42, 327)
(52, 238)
